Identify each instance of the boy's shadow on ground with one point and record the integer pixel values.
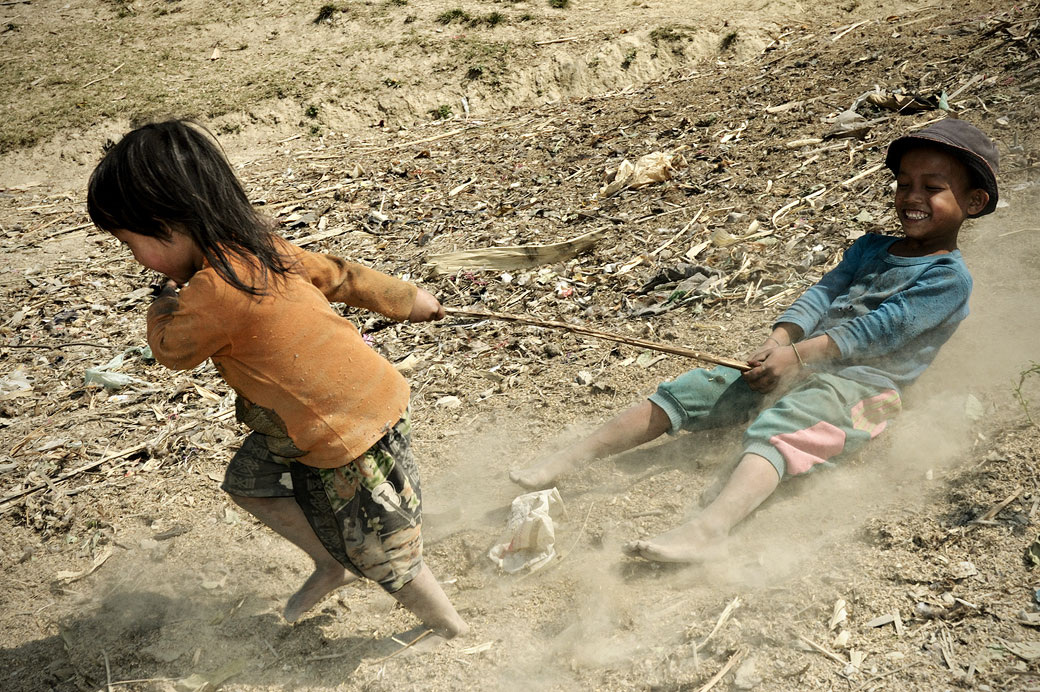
(144, 635)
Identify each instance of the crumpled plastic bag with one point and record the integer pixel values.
(104, 376)
(530, 539)
(675, 286)
(16, 382)
(655, 167)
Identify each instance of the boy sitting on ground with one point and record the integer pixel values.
(836, 360)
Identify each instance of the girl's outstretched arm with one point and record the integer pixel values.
(426, 307)
(358, 286)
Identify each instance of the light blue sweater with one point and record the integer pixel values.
(889, 315)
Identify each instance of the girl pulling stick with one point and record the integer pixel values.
(328, 464)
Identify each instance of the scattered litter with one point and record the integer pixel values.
(902, 103)
(747, 676)
(409, 364)
(677, 285)
(1033, 553)
(1028, 651)
(529, 541)
(973, 408)
(69, 577)
(838, 614)
(103, 375)
(888, 618)
(514, 257)
(15, 384)
(479, 648)
(656, 167)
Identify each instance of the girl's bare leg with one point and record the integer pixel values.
(632, 427)
(427, 600)
(752, 482)
(285, 518)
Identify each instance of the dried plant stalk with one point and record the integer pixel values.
(608, 336)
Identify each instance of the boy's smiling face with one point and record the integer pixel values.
(934, 195)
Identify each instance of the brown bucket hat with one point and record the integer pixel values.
(964, 141)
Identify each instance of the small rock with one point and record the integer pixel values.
(449, 402)
(747, 678)
(584, 378)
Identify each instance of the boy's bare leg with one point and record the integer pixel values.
(632, 427)
(424, 596)
(752, 481)
(284, 516)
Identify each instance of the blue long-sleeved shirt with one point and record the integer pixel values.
(889, 315)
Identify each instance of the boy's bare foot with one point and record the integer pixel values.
(692, 542)
(319, 585)
(543, 474)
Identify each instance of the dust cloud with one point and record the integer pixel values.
(589, 611)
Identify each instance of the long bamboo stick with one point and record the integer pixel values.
(608, 336)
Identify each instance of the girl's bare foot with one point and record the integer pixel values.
(543, 474)
(322, 582)
(424, 596)
(691, 543)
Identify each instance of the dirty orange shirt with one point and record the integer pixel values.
(289, 351)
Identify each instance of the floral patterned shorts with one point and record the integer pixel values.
(367, 513)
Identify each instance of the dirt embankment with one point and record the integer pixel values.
(75, 74)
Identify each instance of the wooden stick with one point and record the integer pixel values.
(7, 501)
(733, 605)
(851, 27)
(741, 652)
(566, 39)
(108, 671)
(103, 77)
(56, 347)
(829, 654)
(864, 174)
(866, 683)
(63, 231)
(994, 511)
(412, 643)
(608, 336)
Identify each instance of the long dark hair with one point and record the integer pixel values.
(173, 176)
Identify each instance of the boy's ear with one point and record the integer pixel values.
(977, 200)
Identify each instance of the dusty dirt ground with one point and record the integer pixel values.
(124, 566)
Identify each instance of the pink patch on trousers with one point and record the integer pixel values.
(804, 449)
(871, 415)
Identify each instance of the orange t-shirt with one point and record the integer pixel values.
(289, 351)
